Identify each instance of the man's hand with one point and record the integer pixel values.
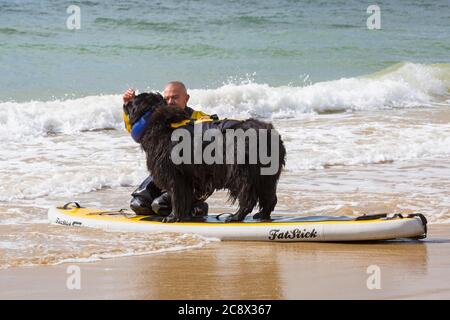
(128, 95)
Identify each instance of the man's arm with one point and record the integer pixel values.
(127, 97)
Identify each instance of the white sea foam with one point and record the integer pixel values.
(348, 142)
(69, 165)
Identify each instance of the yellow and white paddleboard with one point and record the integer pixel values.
(279, 228)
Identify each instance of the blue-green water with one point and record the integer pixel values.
(207, 43)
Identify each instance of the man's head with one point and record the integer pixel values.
(175, 94)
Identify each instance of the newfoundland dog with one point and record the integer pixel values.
(188, 169)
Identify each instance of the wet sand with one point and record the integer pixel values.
(251, 270)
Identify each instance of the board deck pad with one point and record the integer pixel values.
(249, 219)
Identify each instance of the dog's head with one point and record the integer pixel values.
(142, 104)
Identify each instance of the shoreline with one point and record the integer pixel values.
(252, 270)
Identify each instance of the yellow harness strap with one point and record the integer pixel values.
(189, 121)
(126, 119)
(196, 115)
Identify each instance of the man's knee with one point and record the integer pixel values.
(140, 206)
(143, 196)
(148, 199)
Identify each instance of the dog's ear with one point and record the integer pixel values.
(160, 98)
(143, 103)
(155, 99)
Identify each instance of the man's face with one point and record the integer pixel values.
(176, 96)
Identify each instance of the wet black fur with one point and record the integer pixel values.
(185, 182)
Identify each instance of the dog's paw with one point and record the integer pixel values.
(261, 216)
(171, 218)
(233, 218)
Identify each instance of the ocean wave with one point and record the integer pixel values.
(10, 31)
(401, 86)
(13, 31)
(19, 121)
(140, 24)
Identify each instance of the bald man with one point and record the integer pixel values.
(148, 198)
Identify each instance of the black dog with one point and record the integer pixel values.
(187, 181)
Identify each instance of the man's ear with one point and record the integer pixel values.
(187, 98)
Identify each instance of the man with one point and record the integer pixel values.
(148, 198)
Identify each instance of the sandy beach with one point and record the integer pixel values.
(251, 270)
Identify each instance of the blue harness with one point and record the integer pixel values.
(138, 130)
